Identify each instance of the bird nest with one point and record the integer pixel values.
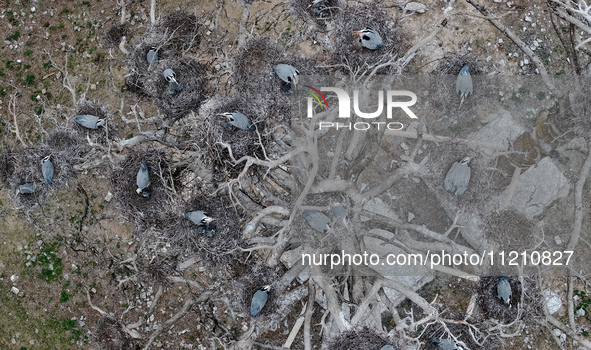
(182, 30)
(24, 166)
(147, 212)
(110, 335)
(213, 133)
(252, 278)
(221, 248)
(349, 53)
(480, 188)
(114, 34)
(172, 38)
(360, 339)
(442, 85)
(305, 10)
(255, 78)
(151, 83)
(463, 333)
(492, 306)
(102, 134)
(511, 230)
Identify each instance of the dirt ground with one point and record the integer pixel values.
(85, 258)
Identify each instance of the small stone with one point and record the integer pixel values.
(92, 86)
(581, 312)
(528, 18)
(13, 278)
(558, 240)
(404, 146)
(33, 9)
(410, 216)
(415, 7)
(14, 290)
(108, 197)
(553, 301)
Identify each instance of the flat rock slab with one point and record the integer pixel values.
(499, 132)
(539, 186)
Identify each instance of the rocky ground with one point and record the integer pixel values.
(86, 263)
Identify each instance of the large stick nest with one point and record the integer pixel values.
(347, 48)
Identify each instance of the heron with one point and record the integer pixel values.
(238, 120)
(89, 121)
(173, 85)
(27, 188)
(369, 38)
(205, 223)
(288, 74)
(457, 178)
(319, 8)
(504, 290)
(339, 212)
(259, 299)
(47, 169)
(174, 89)
(446, 344)
(464, 83)
(143, 181)
(152, 57)
(317, 220)
(169, 75)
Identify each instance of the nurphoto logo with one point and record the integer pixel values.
(402, 99)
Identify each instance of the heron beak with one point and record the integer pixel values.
(357, 32)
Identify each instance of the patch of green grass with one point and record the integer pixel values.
(29, 52)
(29, 43)
(46, 330)
(64, 297)
(39, 110)
(14, 36)
(30, 79)
(10, 64)
(541, 95)
(51, 265)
